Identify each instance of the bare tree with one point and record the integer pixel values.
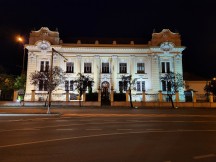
(128, 82)
(173, 82)
(47, 81)
(82, 83)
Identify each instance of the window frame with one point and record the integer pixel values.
(87, 67)
(123, 68)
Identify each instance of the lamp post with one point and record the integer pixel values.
(22, 41)
(51, 77)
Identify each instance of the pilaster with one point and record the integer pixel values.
(155, 73)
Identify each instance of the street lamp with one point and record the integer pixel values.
(22, 41)
(51, 76)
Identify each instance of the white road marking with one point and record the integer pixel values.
(154, 129)
(204, 156)
(61, 120)
(64, 129)
(96, 135)
(28, 129)
(92, 129)
(109, 120)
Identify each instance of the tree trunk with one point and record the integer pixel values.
(170, 97)
(80, 99)
(131, 102)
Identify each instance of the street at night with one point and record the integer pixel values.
(105, 135)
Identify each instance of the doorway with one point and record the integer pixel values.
(105, 94)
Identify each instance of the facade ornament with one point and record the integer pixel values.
(43, 45)
(167, 46)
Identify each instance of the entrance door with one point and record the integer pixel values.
(105, 95)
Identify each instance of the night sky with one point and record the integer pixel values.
(135, 20)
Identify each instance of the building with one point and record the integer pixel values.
(105, 63)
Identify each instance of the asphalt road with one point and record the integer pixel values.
(123, 135)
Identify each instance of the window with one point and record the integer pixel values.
(105, 67)
(123, 68)
(69, 67)
(47, 66)
(120, 86)
(143, 85)
(40, 85)
(66, 85)
(43, 85)
(71, 85)
(123, 85)
(44, 66)
(166, 86)
(140, 68)
(87, 67)
(165, 67)
(140, 85)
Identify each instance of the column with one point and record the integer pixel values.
(177, 96)
(127, 95)
(160, 97)
(112, 94)
(143, 96)
(15, 95)
(99, 94)
(155, 80)
(84, 96)
(114, 71)
(67, 95)
(33, 95)
(211, 97)
(132, 64)
(78, 58)
(194, 96)
(97, 67)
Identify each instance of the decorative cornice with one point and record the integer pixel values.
(106, 50)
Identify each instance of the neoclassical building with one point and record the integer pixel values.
(105, 63)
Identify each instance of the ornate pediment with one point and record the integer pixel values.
(44, 34)
(165, 36)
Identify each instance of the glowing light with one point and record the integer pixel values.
(20, 39)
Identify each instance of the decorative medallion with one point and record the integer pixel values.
(43, 45)
(166, 46)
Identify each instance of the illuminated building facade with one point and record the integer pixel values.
(105, 63)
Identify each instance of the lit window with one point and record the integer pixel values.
(105, 67)
(69, 67)
(140, 68)
(123, 68)
(166, 86)
(87, 67)
(43, 85)
(66, 85)
(123, 85)
(71, 85)
(44, 66)
(143, 85)
(165, 67)
(140, 85)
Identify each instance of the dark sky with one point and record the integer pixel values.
(195, 21)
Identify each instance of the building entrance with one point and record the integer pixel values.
(105, 94)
